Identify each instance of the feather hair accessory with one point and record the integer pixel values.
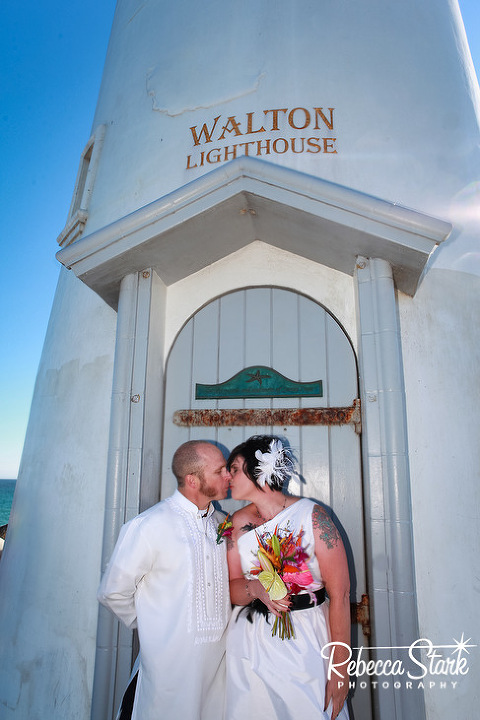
(274, 465)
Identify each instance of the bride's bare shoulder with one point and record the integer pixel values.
(243, 514)
(245, 519)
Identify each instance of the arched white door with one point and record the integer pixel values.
(270, 331)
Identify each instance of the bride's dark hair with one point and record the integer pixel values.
(247, 450)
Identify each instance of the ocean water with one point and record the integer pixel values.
(7, 488)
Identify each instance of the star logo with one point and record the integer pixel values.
(462, 645)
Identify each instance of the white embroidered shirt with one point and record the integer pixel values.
(168, 577)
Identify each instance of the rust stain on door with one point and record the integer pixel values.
(274, 416)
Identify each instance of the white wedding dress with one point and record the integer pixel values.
(271, 678)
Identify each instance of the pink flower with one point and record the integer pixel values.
(303, 577)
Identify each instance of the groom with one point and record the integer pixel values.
(168, 577)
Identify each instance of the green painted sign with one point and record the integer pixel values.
(258, 381)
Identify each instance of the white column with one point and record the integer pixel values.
(387, 482)
(133, 462)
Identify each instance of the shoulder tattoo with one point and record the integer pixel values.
(325, 527)
(248, 527)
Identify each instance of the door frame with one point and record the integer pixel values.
(388, 520)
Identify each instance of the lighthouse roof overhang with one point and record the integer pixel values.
(247, 200)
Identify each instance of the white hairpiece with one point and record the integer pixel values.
(274, 465)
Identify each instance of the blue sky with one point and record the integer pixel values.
(51, 60)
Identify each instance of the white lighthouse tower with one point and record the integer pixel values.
(291, 188)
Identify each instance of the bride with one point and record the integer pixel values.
(285, 558)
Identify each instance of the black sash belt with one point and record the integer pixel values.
(298, 602)
(304, 601)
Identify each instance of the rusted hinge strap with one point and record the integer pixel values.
(269, 417)
(360, 613)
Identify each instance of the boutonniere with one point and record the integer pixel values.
(224, 530)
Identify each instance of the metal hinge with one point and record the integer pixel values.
(267, 417)
(360, 613)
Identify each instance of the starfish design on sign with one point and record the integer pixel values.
(257, 377)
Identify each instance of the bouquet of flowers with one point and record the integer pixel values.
(281, 566)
